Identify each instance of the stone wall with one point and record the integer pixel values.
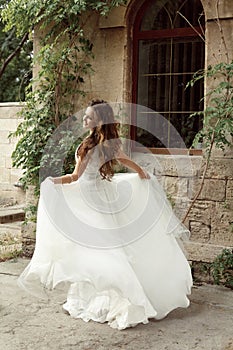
(211, 219)
(9, 120)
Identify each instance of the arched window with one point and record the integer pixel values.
(168, 49)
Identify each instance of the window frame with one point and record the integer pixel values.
(147, 35)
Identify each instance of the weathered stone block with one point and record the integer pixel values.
(229, 190)
(8, 124)
(4, 136)
(212, 190)
(170, 165)
(2, 161)
(225, 9)
(227, 153)
(181, 166)
(28, 238)
(14, 178)
(11, 194)
(29, 231)
(201, 212)
(5, 175)
(222, 224)
(176, 186)
(15, 175)
(9, 110)
(7, 149)
(220, 169)
(216, 53)
(203, 251)
(180, 207)
(8, 162)
(199, 231)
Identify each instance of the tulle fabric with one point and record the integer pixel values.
(115, 245)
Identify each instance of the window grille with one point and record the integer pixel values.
(168, 50)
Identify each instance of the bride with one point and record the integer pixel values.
(112, 237)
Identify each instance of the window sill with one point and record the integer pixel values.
(170, 151)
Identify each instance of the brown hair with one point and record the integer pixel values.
(105, 136)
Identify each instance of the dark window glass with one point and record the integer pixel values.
(168, 14)
(166, 62)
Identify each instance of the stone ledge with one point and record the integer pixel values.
(12, 104)
(169, 165)
(203, 252)
(10, 214)
(11, 228)
(10, 113)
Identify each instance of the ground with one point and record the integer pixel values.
(29, 323)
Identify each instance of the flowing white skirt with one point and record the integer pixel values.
(116, 244)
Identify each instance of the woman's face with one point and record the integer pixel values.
(89, 119)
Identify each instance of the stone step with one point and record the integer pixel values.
(11, 195)
(204, 252)
(11, 228)
(12, 214)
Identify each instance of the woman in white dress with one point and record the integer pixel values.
(112, 237)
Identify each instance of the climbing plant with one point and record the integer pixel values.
(64, 60)
(222, 268)
(218, 114)
(217, 128)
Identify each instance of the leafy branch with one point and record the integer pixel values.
(13, 54)
(218, 115)
(64, 60)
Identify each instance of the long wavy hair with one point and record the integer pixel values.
(105, 136)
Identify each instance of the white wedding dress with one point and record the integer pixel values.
(115, 243)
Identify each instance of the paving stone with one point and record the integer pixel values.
(31, 323)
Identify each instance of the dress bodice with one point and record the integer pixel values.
(92, 169)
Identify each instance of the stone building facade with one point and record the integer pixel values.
(211, 219)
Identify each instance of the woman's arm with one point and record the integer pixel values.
(80, 166)
(125, 160)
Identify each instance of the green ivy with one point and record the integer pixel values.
(222, 268)
(218, 114)
(65, 59)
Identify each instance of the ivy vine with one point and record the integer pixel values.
(65, 59)
(222, 268)
(218, 115)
